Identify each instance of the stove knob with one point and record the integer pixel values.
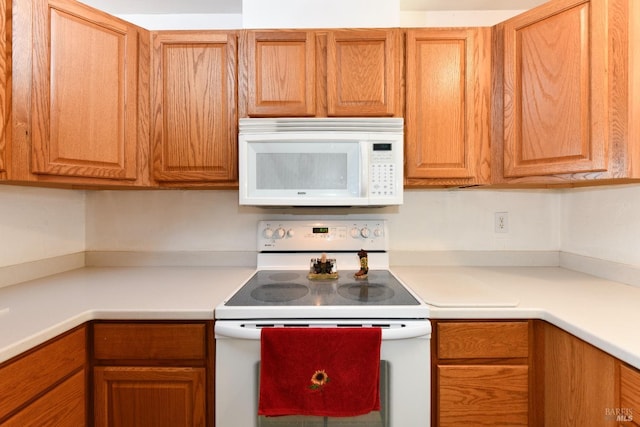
(268, 233)
(377, 232)
(290, 233)
(365, 232)
(355, 232)
(280, 233)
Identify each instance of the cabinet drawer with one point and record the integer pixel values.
(630, 392)
(483, 395)
(28, 376)
(62, 406)
(148, 341)
(463, 340)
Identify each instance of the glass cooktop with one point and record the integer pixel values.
(293, 288)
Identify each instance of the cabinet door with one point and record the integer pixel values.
(149, 396)
(555, 89)
(448, 106)
(84, 92)
(5, 82)
(281, 73)
(194, 106)
(363, 73)
(629, 397)
(579, 382)
(479, 395)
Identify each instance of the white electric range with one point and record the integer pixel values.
(289, 289)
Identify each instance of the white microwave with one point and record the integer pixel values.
(321, 161)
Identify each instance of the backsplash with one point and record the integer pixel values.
(603, 223)
(436, 220)
(39, 223)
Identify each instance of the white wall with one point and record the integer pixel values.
(603, 223)
(455, 18)
(316, 14)
(320, 13)
(38, 223)
(212, 220)
(185, 21)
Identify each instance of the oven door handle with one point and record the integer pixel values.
(394, 331)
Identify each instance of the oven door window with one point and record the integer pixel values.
(372, 419)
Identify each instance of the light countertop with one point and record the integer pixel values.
(41, 309)
(604, 313)
(601, 312)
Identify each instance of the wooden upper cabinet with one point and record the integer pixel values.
(448, 120)
(313, 73)
(279, 72)
(84, 99)
(554, 82)
(363, 72)
(568, 92)
(194, 107)
(5, 82)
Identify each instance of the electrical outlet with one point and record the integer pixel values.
(501, 222)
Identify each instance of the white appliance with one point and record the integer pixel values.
(279, 294)
(321, 161)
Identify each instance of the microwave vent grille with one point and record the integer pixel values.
(364, 124)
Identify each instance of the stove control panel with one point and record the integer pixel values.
(326, 236)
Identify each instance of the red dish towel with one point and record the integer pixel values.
(320, 371)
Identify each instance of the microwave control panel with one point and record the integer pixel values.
(383, 175)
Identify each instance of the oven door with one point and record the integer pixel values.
(405, 375)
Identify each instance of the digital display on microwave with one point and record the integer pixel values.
(380, 146)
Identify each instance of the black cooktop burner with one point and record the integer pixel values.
(362, 291)
(279, 292)
(293, 288)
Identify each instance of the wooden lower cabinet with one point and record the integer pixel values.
(46, 386)
(483, 395)
(482, 373)
(62, 406)
(149, 396)
(527, 373)
(154, 374)
(579, 380)
(629, 410)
